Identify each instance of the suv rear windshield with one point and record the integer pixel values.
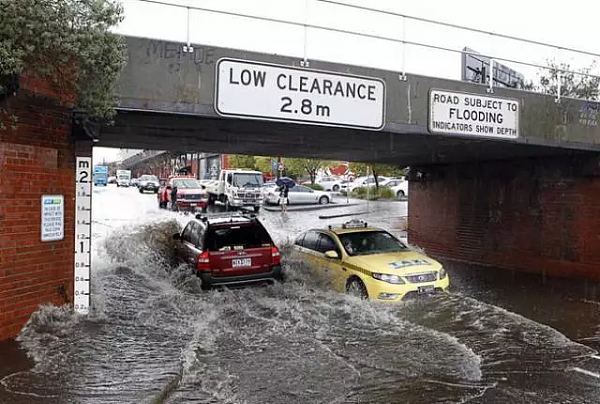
(370, 242)
(237, 237)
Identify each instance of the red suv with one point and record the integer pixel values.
(228, 249)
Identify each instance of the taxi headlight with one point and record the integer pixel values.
(442, 274)
(395, 279)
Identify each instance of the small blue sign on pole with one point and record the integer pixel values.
(274, 165)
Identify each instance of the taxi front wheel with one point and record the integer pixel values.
(356, 287)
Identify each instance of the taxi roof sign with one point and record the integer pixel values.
(351, 224)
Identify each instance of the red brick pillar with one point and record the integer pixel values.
(36, 159)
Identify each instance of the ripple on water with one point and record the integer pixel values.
(158, 337)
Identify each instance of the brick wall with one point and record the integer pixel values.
(531, 215)
(36, 158)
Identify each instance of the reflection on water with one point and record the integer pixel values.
(154, 336)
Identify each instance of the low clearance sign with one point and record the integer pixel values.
(473, 115)
(259, 90)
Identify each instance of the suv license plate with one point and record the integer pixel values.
(193, 204)
(426, 289)
(241, 262)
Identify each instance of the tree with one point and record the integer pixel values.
(386, 170)
(296, 167)
(376, 170)
(262, 164)
(360, 169)
(571, 84)
(67, 42)
(242, 161)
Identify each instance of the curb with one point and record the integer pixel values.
(276, 208)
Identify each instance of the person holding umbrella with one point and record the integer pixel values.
(284, 184)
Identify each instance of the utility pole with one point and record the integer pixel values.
(279, 167)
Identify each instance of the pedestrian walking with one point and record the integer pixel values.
(283, 197)
(174, 198)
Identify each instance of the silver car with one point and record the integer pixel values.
(299, 195)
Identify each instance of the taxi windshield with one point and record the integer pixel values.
(370, 242)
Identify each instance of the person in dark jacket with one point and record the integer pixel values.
(174, 197)
(284, 200)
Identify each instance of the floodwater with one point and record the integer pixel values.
(153, 336)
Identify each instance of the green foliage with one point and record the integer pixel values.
(375, 169)
(262, 164)
(386, 170)
(316, 187)
(373, 193)
(70, 43)
(571, 85)
(360, 169)
(242, 161)
(297, 167)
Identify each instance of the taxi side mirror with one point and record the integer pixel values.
(333, 255)
(176, 236)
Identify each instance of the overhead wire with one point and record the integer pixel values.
(386, 38)
(461, 27)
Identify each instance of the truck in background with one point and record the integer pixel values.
(123, 178)
(101, 175)
(237, 188)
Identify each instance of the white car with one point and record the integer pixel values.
(148, 183)
(391, 182)
(365, 182)
(299, 195)
(399, 187)
(331, 184)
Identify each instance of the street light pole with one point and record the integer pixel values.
(279, 167)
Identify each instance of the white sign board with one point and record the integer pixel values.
(83, 233)
(53, 217)
(473, 115)
(258, 90)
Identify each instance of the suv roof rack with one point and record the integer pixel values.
(223, 215)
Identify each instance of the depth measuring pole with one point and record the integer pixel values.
(83, 233)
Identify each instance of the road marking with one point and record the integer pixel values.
(587, 372)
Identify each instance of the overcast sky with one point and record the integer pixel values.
(573, 24)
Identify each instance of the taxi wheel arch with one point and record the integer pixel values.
(356, 281)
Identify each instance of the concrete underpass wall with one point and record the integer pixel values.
(36, 158)
(532, 215)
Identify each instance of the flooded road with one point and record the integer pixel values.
(154, 336)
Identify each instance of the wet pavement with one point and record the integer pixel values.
(153, 336)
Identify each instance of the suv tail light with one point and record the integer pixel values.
(275, 255)
(203, 261)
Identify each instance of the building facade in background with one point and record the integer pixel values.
(163, 163)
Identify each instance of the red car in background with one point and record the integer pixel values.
(191, 195)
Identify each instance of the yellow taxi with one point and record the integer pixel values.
(370, 263)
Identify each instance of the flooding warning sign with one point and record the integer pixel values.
(473, 115)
